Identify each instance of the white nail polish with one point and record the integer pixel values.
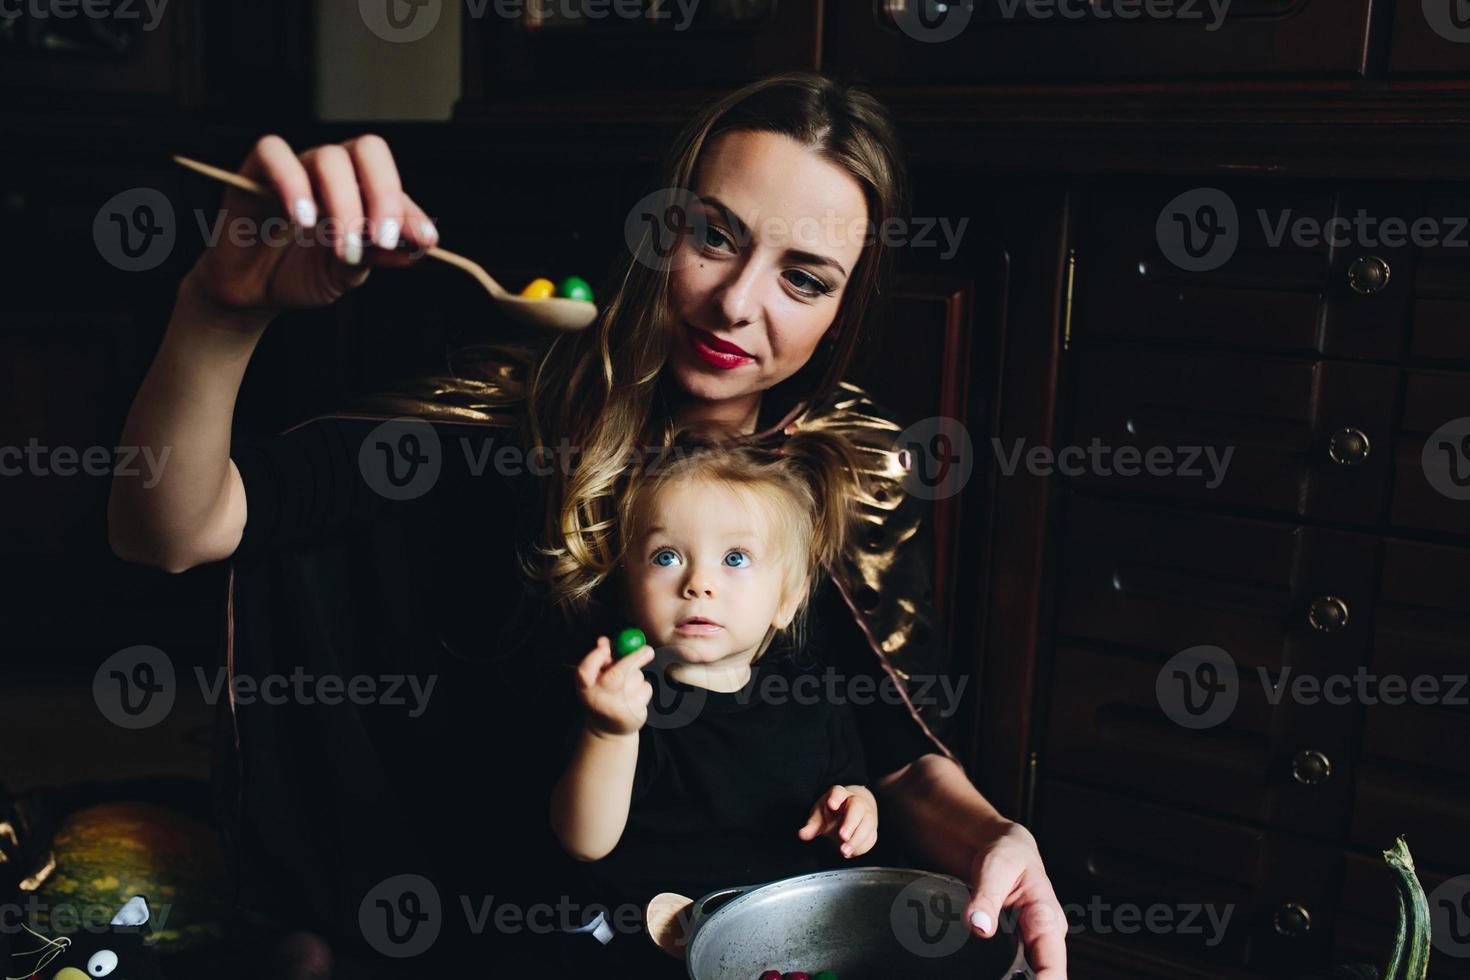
(980, 920)
(388, 231)
(354, 248)
(428, 231)
(305, 212)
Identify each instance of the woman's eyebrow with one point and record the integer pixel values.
(743, 231)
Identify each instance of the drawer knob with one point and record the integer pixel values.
(1310, 767)
(1328, 613)
(1348, 446)
(1292, 920)
(1368, 274)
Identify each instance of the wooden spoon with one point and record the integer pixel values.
(555, 313)
(667, 918)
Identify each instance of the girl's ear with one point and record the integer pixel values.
(790, 602)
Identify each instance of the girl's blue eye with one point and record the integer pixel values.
(737, 554)
(662, 552)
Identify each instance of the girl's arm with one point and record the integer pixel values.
(589, 804)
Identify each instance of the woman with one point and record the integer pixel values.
(748, 325)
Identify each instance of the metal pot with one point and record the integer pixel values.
(862, 923)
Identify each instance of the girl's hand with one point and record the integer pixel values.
(615, 693)
(340, 200)
(848, 814)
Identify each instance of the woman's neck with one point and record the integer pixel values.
(737, 416)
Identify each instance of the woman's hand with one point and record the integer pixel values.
(848, 814)
(1008, 873)
(340, 199)
(615, 693)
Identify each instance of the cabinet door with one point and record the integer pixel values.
(920, 369)
(109, 50)
(928, 40)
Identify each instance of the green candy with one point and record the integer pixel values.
(630, 640)
(825, 975)
(575, 287)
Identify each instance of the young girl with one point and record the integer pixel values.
(750, 776)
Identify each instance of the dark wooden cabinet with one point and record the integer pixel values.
(1430, 37)
(552, 49)
(1315, 585)
(928, 41)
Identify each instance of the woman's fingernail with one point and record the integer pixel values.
(980, 920)
(354, 248)
(428, 231)
(388, 230)
(305, 212)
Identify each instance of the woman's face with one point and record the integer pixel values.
(751, 298)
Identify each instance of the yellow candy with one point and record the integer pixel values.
(542, 288)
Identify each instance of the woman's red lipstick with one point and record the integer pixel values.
(716, 352)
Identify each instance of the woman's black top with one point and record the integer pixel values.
(438, 686)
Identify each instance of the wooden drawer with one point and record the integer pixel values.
(1162, 580)
(1408, 783)
(560, 51)
(1431, 479)
(1133, 282)
(1300, 437)
(1107, 723)
(1440, 314)
(1105, 853)
(912, 40)
(1338, 273)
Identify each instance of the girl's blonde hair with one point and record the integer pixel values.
(808, 485)
(601, 391)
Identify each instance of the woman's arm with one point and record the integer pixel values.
(944, 822)
(195, 513)
(589, 804)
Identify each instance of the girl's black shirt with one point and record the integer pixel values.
(342, 572)
(724, 780)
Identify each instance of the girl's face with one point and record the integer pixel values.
(752, 299)
(703, 578)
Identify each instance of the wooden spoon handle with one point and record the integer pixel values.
(252, 187)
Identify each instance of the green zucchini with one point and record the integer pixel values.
(1409, 959)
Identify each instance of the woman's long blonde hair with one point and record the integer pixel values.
(598, 390)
